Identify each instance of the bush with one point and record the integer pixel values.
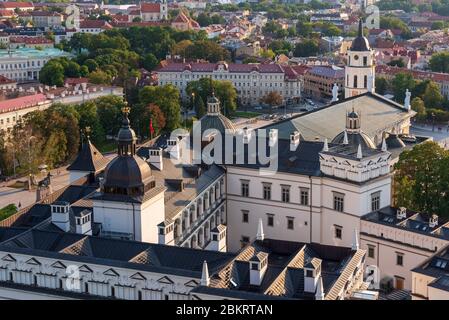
(7, 211)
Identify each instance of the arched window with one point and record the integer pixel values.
(355, 82)
(365, 82)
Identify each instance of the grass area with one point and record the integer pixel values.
(245, 114)
(7, 211)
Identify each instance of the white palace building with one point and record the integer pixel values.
(143, 227)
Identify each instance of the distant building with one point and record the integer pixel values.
(94, 26)
(252, 81)
(24, 64)
(46, 19)
(183, 22)
(319, 81)
(21, 6)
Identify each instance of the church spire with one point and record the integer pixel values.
(360, 34)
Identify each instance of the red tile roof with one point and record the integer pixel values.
(6, 13)
(5, 80)
(13, 5)
(421, 75)
(30, 40)
(74, 81)
(22, 102)
(150, 7)
(95, 24)
(231, 67)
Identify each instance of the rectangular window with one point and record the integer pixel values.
(267, 191)
(375, 201)
(270, 220)
(285, 193)
(290, 223)
(371, 252)
(399, 259)
(338, 231)
(245, 188)
(245, 216)
(339, 202)
(304, 196)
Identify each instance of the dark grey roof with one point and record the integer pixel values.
(304, 160)
(216, 121)
(393, 141)
(127, 172)
(441, 283)
(436, 266)
(360, 43)
(89, 159)
(354, 139)
(113, 252)
(9, 232)
(414, 222)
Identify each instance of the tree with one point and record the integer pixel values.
(389, 22)
(272, 98)
(150, 61)
(52, 73)
(203, 19)
(200, 108)
(168, 99)
(432, 96)
(207, 50)
(381, 85)
(418, 106)
(91, 65)
(397, 63)
(224, 91)
(400, 83)
(267, 54)
(109, 113)
(306, 48)
(153, 112)
(100, 77)
(439, 62)
(180, 48)
(421, 179)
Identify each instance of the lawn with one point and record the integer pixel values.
(245, 114)
(7, 211)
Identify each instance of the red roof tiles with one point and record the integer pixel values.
(22, 102)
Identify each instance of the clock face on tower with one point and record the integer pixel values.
(356, 57)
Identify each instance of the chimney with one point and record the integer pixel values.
(273, 137)
(83, 222)
(257, 268)
(355, 240)
(294, 140)
(325, 145)
(433, 221)
(173, 148)
(312, 273)
(260, 236)
(60, 215)
(155, 158)
(166, 233)
(401, 213)
(218, 238)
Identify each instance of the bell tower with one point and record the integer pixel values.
(360, 70)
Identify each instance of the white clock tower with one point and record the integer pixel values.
(359, 73)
